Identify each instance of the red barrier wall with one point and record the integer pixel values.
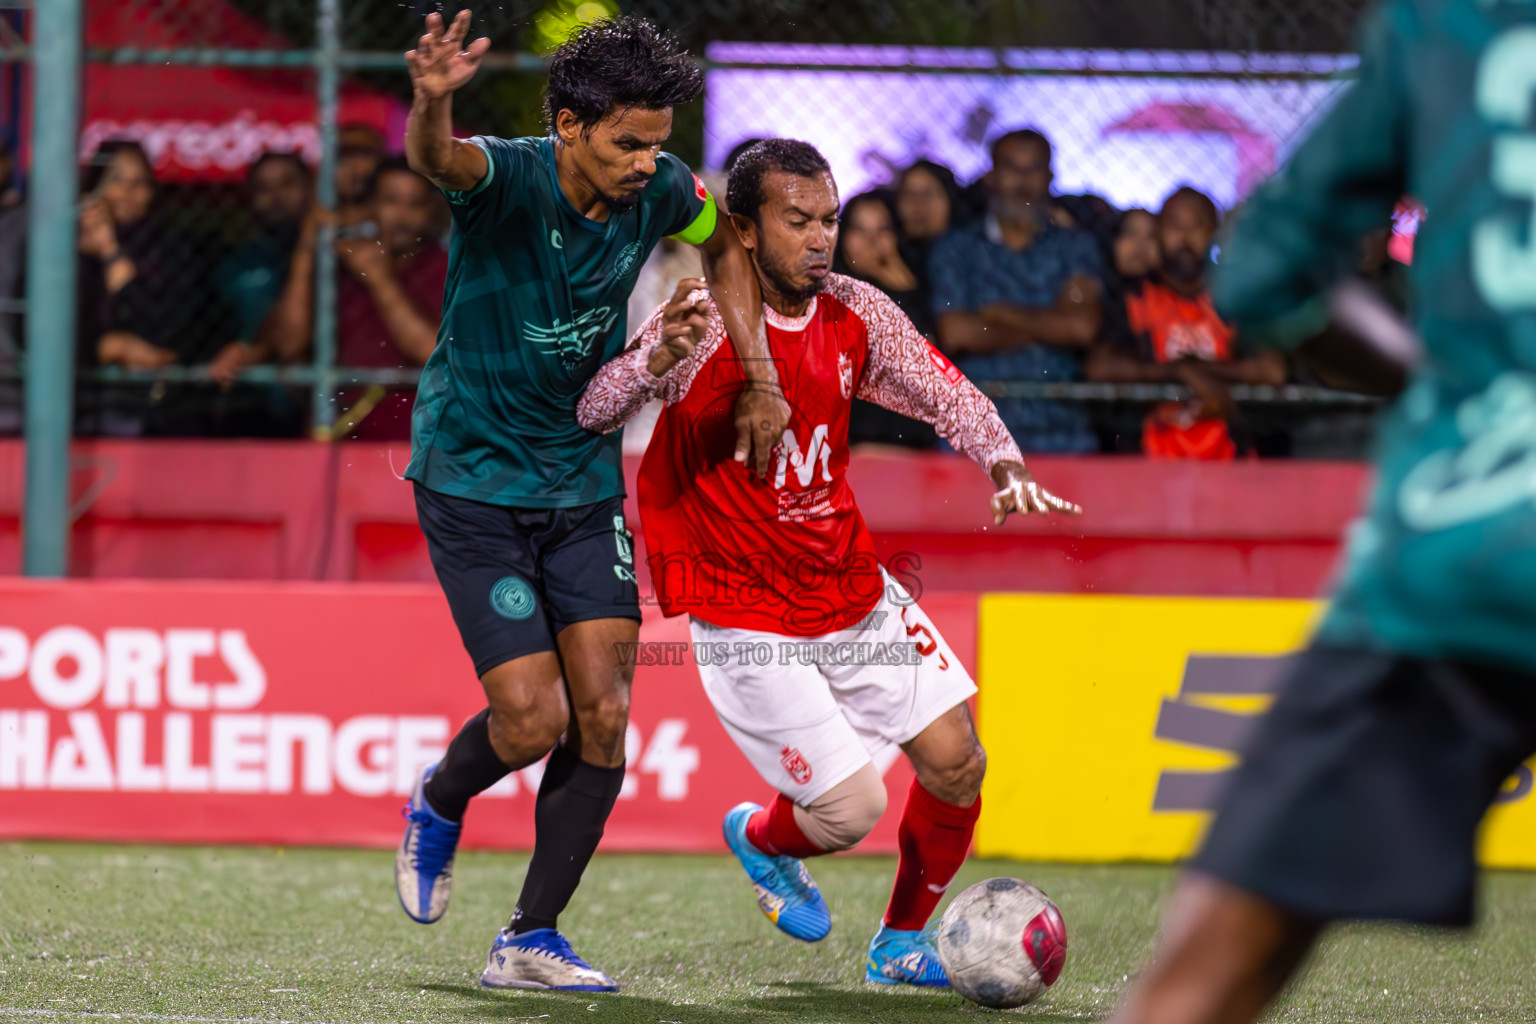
(298, 713)
(304, 511)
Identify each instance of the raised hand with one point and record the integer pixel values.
(684, 322)
(1019, 493)
(441, 63)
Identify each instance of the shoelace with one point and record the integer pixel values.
(434, 844)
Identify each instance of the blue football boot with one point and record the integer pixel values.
(424, 861)
(785, 892)
(905, 958)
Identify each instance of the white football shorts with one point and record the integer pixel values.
(808, 712)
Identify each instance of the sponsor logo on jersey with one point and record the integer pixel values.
(627, 261)
(941, 363)
(804, 462)
(845, 373)
(512, 598)
(572, 341)
(795, 763)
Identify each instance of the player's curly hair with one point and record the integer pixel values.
(744, 187)
(623, 62)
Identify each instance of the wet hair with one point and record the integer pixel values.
(272, 156)
(1029, 135)
(1206, 204)
(744, 187)
(738, 149)
(877, 197)
(619, 62)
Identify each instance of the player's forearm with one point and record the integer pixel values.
(618, 391)
(433, 152)
(739, 298)
(413, 335)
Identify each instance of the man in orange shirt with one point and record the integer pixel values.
(1175, 335)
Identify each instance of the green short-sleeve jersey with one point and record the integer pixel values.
(1443, 563)
(534, 304)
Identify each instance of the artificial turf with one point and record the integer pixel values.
(218, 934)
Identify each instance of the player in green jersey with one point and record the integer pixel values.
(521, 507)
(1361, 792)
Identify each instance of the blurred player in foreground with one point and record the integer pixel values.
(1361, 793)
(760, 568)
(522, 509)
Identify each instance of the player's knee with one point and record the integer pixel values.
(528, 720)
(603, 719)
(958, 782)
(842, 817)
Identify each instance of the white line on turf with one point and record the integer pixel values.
(170, 1018)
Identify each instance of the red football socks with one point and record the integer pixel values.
(934, 838)
(773, 830)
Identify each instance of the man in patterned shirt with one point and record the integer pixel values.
(855, 667)
(1017, 295)
(522, 508)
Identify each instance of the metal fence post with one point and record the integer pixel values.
(328, 59)
(56, 29)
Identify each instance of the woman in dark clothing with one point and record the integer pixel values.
(867, 249)
(928, 204)
(145, 301)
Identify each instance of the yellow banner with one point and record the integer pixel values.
(1109, 723)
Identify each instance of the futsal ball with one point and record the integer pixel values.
(1002, 943)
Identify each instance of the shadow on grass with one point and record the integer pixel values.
(803, 1003)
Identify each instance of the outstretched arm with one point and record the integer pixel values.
(761, 412)
(671, 336)
(439, 66)
(906, 374)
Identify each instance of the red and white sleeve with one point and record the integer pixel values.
(621, 386)
(906, 374)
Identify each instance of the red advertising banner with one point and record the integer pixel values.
(300, 713)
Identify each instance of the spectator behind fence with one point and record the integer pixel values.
(388, 305)
(13, 254)
(1172, 333)
(1017, 296)
(359, 155)
(145, 300)
(279, 189)
(13, 260)
(927, 206)
(867, 249)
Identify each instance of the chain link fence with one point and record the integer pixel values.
(1138, 97)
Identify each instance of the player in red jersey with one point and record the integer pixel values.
(818, 662)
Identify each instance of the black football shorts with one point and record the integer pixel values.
(516, 577)
(1362, 789)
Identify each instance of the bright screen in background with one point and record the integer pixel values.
(1118, 131)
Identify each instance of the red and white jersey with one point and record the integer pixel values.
(791, 555)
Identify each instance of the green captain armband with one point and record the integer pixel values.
(698, 232)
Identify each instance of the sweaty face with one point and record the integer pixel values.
(869, 237)
(922, 204)
(796, 233)
(279, 193)
(128, 188)
(406, 205)
(1020, 179)
(618, 155)
(1185, 231)
(1136, 252)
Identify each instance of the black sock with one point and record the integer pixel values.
(575, 799)
(470, 767)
